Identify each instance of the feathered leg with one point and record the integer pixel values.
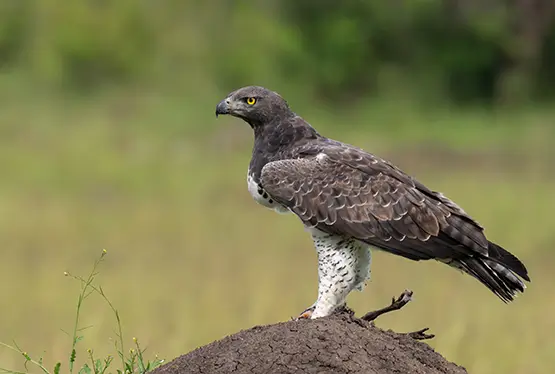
(364, 261)
(343, 264)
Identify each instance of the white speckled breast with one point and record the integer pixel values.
(262, 197)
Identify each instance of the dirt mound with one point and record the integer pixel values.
(336, 344)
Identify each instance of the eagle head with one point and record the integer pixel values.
(254, 104)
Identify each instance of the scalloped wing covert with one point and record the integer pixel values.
(347, 191)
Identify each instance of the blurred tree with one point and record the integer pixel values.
(528, 27)
(462, 50)
(12, 30)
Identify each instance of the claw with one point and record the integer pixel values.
(307, 314)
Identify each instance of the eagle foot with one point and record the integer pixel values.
(396, 304)
(307, 314)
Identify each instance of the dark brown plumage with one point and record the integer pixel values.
(342, 190)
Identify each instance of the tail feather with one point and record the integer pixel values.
(500, 271)
(500, 280)
(508, 260)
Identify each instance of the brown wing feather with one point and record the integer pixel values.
(351, 192)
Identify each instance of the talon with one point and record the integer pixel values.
(307, 314)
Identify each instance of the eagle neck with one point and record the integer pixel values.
(277, 140)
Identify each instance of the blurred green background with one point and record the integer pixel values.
(108, 140)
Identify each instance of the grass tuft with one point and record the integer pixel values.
(131, 361)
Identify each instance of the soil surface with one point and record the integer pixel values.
(337, 344)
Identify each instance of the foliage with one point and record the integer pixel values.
(463, 50)
(131, 362)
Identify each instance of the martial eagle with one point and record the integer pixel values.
(351, 201)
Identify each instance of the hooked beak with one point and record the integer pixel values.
(222, 107)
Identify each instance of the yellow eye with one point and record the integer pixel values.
(251, 100)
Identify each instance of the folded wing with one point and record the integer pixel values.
(344, 190)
